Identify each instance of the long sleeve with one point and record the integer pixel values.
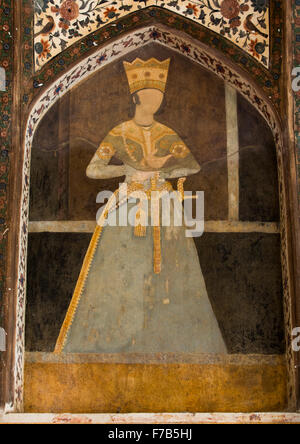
(182, 163)
(98, 167)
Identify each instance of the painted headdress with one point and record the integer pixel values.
(147, 74)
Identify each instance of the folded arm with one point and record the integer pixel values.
(98, 167)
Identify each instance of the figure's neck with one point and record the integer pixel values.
(143, 119)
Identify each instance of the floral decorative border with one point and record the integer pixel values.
(268, 79)
(60, 23)
(6, 61)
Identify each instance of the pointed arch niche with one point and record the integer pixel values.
(236, 81)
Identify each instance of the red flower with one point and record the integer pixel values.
(252, 48)
(191, 9)
(230, 9)
(235, 23)
(69, 10)
(63, 25)
(110, 12)
(46, 49)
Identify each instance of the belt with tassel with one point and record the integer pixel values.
(140, 217)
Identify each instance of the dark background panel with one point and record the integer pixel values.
(243, 278)
(54, 263)
(242, 274)
(50, 165)
(259, 199)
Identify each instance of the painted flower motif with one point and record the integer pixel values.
(110, 12)
(230, 9)
(191, 9)
(253, 48)
(244, 7)
(62, 24)
(260, 5)
(101, 59)
(235, 23)
(105, 151)
(178, 150)
(69, 10)
(155, 35)
(220, 68)
(40, 5)
(185, 48)
(58, 89)
(44, 49)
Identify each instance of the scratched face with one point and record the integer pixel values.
(150, 100)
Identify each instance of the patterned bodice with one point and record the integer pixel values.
(132, 143)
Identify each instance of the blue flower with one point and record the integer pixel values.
(40, 5)
(260, 5)
(38, 47)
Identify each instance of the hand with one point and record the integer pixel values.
(135, 175)
(142, 176)
(156, 162)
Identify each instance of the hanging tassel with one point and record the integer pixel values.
(156, 250)
(156, 227)
(180, 188)
(140, 225)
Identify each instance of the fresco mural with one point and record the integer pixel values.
(72, 93)
(122, 302)
(151, 119)
(60, 23)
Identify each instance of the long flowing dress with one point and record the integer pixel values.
(121, 303)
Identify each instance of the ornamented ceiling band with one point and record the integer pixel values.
(60, 23)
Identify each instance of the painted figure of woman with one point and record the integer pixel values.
(141, 288)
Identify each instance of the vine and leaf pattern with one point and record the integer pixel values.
(59, 23)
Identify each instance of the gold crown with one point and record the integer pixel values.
(147, 74)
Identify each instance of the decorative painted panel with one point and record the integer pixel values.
(60, 23)
(90, 65)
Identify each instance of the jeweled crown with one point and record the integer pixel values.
(150, 73)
